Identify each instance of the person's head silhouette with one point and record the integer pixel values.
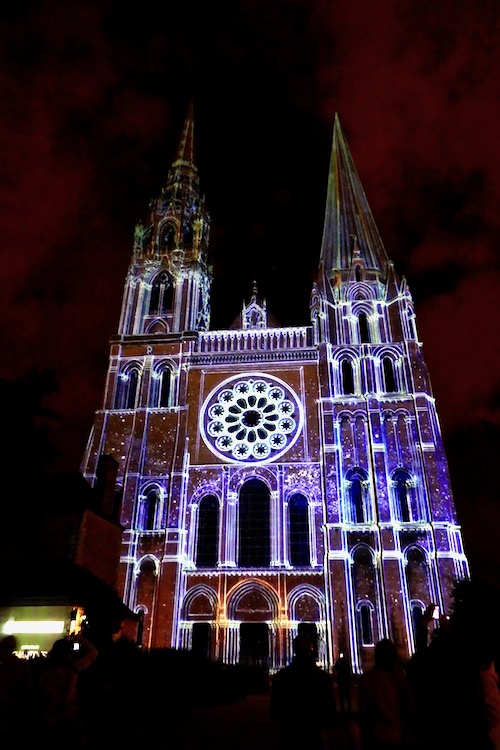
(303, 646)
(386, 655)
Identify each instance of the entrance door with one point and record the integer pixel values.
(254, 644)
(201, 639)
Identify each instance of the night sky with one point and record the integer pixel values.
(93, 98)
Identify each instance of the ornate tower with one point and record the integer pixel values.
(275, 479)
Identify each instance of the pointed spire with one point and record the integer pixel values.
(254, 315)
(182, 178)
(185, 150)
(348, 215)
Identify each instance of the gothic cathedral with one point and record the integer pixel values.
(274, 480)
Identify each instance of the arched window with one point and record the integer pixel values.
(151, 505)
(298, 528)
(416, 621)
(168, 237)
(365, 624)
(364, 330)
(357, 490)
(254, 538)
(126, 389)
(418, 578)
(133, 379)
(164, 388)
(187, 234)
(347, 377)
(146, 584)
(389, 379)
(207, 543)
(364, 581)
(160, 300)
(402, 483)
(357, 272)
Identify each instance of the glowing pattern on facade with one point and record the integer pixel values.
(251, 419)
(275, 479)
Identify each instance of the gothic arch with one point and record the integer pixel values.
(403, 489)
(128, 386)
(252, 601)
(347, 377)
(168, 233)
(150, 507)
(418, 574)
(158, 325)
(388, 375)
(164, 376)
(200, 601)
(357, 486)
(243, 475)
(299, 545)
(207, 532)
(306, 603)
(254, 524)
(361, 291)
(146, 581)
(365, 587)
(147, 561)
(351, 416)
(161, 294)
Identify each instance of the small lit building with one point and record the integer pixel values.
(64, 575)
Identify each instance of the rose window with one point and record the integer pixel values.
(252, 419)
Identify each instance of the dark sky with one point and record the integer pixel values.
(93, 97)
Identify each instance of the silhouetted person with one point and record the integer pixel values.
(450, 677)
(107, 690)
(16, 694)
(343, 670)
(386, 703)
(62, 720)
(302, 701)
(490, 695)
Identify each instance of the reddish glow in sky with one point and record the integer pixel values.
(93, 100)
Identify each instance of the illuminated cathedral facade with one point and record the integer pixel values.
(274, 479)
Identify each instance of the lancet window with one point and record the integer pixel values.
(298, 530)
(169, 235)
(254, 539)
(127, 388)
(364, 329)
(160, 300)
(149, 510)
(402, 485)
(207, 543)
(164, 386)
(347, 377)
(389, 376)
(365, 592)
(357, 486)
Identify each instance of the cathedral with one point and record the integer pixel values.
(274, 480)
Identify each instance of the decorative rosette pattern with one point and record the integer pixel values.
(251, 419)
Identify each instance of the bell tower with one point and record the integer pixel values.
(168, 282)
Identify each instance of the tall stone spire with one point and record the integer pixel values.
(170, 257)
(349, 228)
(185, 150)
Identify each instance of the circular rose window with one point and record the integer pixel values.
(251, 419)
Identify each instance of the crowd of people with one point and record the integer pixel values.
(446, 695)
